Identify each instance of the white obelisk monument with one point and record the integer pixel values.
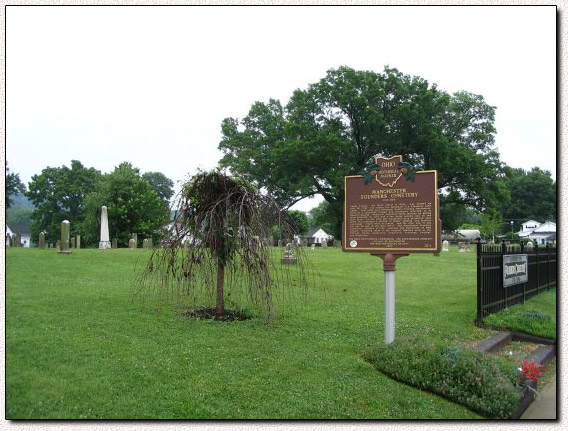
(104, 243)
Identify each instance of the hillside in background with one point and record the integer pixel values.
(20, 212)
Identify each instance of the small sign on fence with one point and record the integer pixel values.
(515, 269)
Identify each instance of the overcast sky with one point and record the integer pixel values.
(151, 85)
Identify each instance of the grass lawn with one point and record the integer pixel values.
(537, 316)
(77, 346)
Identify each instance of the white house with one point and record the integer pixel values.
(9, 236)
(545, 233)
(23, 231)
(317, 236)
(538, 233)
(527, 227)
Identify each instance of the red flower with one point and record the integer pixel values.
(529, 371)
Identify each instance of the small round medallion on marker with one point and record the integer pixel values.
(353, 243)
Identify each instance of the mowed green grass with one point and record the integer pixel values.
(78, 346)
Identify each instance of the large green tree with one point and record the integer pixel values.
(58, 194)
(133, 206)
(161, 184)
(533, 195)
(338, 125)
(13, 185)
(299, 222)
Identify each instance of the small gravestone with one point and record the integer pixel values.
(132, 243)
(530, 245)
(114, 243)
(336, 243)
(324, 244)
(41, 241)
(279, 243)
(313, 247)
(467, 247)
(135, 238)
(145, 244)
(255, 243)
(150, 244)
(445, 245)
(78, 241)
(461, 248)
(64, 242)
(304, 242)
(491, 243)
(73, 243)
(289, 258)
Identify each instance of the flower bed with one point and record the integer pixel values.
(486, 384)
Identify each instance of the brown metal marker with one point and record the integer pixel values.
(390, 212)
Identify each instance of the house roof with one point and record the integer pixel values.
(547, 227)
(532, 221)
(22, 229)
(313, 231)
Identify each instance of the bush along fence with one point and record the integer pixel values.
(510, 274)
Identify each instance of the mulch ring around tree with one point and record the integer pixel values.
(210, 313)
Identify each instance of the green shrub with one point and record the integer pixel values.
(483, 383)
(537, 315)
(530, 321)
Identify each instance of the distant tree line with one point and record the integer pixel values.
(137, 203)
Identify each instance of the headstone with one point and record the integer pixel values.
(64, 242)
(16, 240)
(337, 243)
(78, 242)
(8, 240)
(104, 242)
(304, 242)
(150, 243)
(132, 243)
(41, 240)
(530, 245)
(467, 245)
(445, 245)
(324, 244)
(279, 243)
(145, 244)
(135, 238)
(73, 243)
(114, 243)
(461, 248)
(313, 247)
(255, 243)
(289, 258)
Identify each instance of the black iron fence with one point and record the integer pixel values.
(492, 295)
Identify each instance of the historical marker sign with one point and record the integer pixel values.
(515, 269)
(392, 209)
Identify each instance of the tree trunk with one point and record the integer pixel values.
(220, 281)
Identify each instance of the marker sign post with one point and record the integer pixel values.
(391, 211)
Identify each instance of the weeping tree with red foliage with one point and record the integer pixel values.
(219, 245)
